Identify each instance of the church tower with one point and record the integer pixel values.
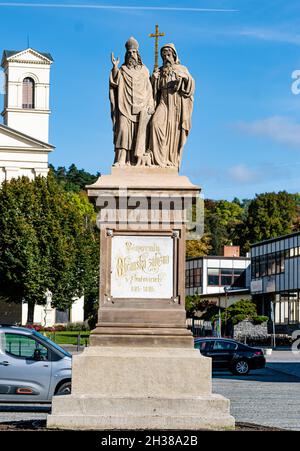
(26, 103)
(24, 134)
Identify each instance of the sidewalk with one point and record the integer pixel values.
(285, 361)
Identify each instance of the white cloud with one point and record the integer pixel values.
(269, 34)
(242, 174)
(276, 128)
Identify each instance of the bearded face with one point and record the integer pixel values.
(132, 58)
(168, 56)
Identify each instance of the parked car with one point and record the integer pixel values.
(32, 367)
(231, 355)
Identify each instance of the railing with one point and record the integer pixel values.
(199, 327)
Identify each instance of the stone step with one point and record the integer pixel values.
(97, 412)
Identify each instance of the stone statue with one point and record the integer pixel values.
(173, 90)
(132, 105)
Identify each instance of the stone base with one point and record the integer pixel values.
(103, 413)
(140, 388)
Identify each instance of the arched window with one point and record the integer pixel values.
(28, 93)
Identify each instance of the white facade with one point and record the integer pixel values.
(45, 315)
(24, 136)
(218, 268)
(17, 67)
(21, 155)
(24, 149)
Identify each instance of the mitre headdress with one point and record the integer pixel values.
(132, 44)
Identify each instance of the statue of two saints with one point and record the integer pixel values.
(151, 116)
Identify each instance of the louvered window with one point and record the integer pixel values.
(28, 93)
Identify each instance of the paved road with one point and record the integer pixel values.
(12, 412)
(267, 397)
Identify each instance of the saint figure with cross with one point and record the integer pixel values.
(173, 90)
(132, 105)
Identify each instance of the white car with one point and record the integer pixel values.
(32, 367)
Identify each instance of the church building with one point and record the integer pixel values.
(24, 134)
(24, 150)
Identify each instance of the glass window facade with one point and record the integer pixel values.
(270, 258)
(277, 264)
(193, 278)
(287, 310)
(221, 277)
(268, 265)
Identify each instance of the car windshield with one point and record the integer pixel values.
(54, 345)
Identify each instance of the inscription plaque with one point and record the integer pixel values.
(142, 267)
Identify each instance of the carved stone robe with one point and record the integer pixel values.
(130, 96)
(171, 121)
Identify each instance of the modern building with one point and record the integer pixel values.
(275, 280)
(24, 134)
(225, 279)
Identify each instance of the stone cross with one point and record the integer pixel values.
(156, 35)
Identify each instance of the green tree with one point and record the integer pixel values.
(73, 179)
(48, 241)
(241, 310)
(222, 219)
(198, 248)
(270, 215)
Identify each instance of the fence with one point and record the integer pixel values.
(199, 327)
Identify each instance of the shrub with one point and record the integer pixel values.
(77, 327)
(36, 327)
(194, 303)
(59, 327)
(237, 318)
(260, 319)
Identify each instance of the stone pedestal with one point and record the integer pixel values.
(141, 388)
(141, 370)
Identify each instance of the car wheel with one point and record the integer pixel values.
(241, 368)
(64, 389)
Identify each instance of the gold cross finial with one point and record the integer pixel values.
(156, 35)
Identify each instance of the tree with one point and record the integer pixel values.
(198, 248)
(241, 310)
(270, 215)
(222, 219)
(194, 303)
(73, 179)
(47, 242)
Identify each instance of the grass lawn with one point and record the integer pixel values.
(68, 337)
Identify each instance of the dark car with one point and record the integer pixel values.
(231, 355)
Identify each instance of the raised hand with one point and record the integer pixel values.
(156, 73)
(115, 61)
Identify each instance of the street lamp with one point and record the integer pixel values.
(226, 290)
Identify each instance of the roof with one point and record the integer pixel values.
(23, 135)
(230, 292)
(9, 53)
(272, 240)
(219, 257)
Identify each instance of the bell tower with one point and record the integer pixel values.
(27, 83)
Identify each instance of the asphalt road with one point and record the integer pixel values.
(268, 397)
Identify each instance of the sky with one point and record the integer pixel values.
(243, 55)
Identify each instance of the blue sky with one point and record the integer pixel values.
(246, 123)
